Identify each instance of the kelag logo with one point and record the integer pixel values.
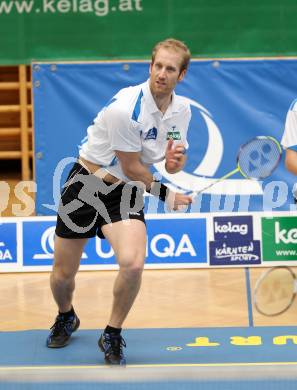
(8, 243)
(233, 242)
(279, 238)
(234, 227)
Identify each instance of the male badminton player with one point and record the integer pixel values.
(140, 126)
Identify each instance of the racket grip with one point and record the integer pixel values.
(294, 193)
(193, 195)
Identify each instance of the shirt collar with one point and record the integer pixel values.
(150, 101)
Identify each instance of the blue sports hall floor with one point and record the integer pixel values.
(180, 358)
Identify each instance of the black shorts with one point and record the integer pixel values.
(88, 202)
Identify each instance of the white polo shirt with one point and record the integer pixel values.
(289, 139)
(132, 122)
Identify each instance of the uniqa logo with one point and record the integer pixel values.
(284, 236)
(47, 243)
(4, 253)
(161, 245)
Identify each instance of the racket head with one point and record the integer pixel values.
(275, 291)
(259, 157)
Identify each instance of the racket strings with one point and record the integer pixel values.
(275, 291)
(258, 158)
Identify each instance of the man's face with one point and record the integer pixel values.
(165, 72)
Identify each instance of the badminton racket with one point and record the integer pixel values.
(256, 160)
(275, 291)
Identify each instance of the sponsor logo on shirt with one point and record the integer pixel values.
(173, 134)
(151, 134)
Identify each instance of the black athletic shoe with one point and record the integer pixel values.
(112, 346)
(62, 331)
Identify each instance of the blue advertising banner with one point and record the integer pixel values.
(173, 241)
(234, 242)
(233, 252)
(177, 241)
(232, 101)
(234, 227)
(38, 246)
(168, 241)
(8, 243)
(38, 242)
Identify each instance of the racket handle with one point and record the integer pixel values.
(294, 193)
(194, 195)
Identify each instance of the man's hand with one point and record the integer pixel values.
(176, 201)
(175, 157)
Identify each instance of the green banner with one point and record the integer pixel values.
(279, 238)
(127, 29)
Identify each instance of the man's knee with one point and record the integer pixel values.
(132, 264)
(63, 273)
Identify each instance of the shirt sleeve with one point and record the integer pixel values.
(289, 139)
(123, 134)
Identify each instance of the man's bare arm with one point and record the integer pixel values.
(291, 161)
(136, 171)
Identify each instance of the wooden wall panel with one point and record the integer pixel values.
(16, 117)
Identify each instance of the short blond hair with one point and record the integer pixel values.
(176, 45)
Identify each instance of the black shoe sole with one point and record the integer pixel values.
(100, 345)
(59, 345)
